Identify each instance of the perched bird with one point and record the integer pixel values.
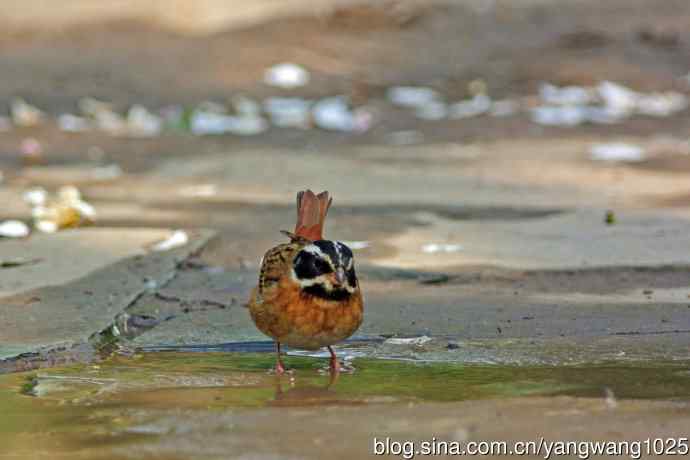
(308, 295)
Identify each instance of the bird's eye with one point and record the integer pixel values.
(322, 266)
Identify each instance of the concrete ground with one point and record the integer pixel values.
(536, 275)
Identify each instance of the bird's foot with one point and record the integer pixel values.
(334, 365)
(280, 369)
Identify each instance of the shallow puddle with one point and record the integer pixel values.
(101, 411)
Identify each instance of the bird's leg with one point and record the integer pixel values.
(335, 366)
(280, 369)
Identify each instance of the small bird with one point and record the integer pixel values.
(308, 295)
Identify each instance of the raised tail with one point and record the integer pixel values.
(311, 214)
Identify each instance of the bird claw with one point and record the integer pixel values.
(279, 369)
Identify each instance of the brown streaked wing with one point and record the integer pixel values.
(276, 264)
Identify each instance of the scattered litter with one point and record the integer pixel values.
(406, 137)
(558, 116)
(415, 341)
(73, 123)
(286, 75)
(478, 105)
(203, 123)
(177, 239)
(661, 104)
(14, 229)
(619, 99)
(35, 196)
(67, 210)
(288, 112)
(24, 114)
(411, 96)
(356, 245)
(606, 103)
(567, 95)
(247, 125)
(334, 114)
(617, 151)
(112, 123)
(103, 116)
(199, 191)
(246, 106)
(90, 106)
(433, 248)
(142, 123)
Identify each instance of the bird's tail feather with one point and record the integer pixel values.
(311, 214)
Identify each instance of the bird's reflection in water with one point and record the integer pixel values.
(289, 393)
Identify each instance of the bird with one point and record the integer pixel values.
(308, 295)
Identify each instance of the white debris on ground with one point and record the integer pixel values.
(414, 341)
(199, 191)
(617, 151)
(334, 114)
(412, 96)
(246, 106)
(24, 114)
(566, 95)
(35, 196)
(478, 105)
(205, 123)
(289, 112)
(142, 123)
(72, 123)
(606, 103)
(14, 229)
(286, 75)
(177, 239)
(66, 210)
(432, 110)
(103, 116)
(432, 248)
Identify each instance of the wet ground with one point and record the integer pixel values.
(225, 405)
(542, 311)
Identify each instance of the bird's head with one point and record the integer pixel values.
(325, 269)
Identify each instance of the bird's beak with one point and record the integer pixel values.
(340, 276)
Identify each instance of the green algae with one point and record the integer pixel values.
(82, 405)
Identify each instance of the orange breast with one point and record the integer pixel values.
(304, 321)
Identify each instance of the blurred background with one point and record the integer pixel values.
(470, 138)
(512, 175)
(507, 141)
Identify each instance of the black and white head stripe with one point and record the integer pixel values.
(315, 262)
